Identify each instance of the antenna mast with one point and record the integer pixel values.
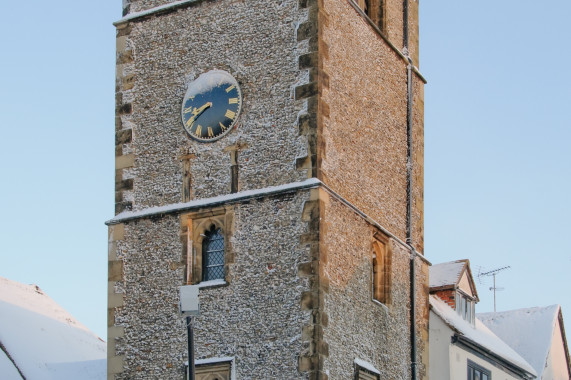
(493, 273)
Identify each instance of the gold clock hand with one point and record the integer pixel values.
(196, 113)
(202, 109)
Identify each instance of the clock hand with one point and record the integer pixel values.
(196, 113)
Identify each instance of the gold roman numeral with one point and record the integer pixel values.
(233, 101)
(222, 126)
(230, 88)
(210, 132)
(230, 115)
(198, 131)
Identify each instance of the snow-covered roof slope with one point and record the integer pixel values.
(446, 273)
(538, 324)
(44, 341)
(479, 335)
(7, 368)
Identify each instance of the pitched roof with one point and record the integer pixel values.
(446, 274)
(537, 322)
(453, 275)
(40, 340)
(479, 335)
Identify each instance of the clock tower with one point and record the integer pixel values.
(270, 152)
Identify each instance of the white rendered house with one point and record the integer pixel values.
(461, 347)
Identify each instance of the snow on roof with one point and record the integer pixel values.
(7, 369)
(43, 340)
(446, 273)
(538, 324)
(479, 334)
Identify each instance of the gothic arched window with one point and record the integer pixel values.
(213, 254)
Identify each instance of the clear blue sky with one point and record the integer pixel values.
(496, 131)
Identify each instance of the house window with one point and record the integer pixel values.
(465, 307)
(476, 372)
(381, 269)
(213, 254)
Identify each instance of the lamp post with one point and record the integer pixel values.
(189, 307)
(190, 348)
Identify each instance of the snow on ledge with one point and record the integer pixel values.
(150, 11)
(366, 365)
(213, 201)
(224, 359)
(208, 284)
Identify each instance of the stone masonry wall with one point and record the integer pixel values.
(257, 42)
(364, 131)
(258, 318)
(394, 19)
(357, 326)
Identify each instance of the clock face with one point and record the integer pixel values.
(211, 106)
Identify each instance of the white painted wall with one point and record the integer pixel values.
(556, 363)
(450, 362)
(439, 346)
(464, 284)
(459, 365)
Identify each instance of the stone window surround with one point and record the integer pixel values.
(378, 16)
(213, 366)
(193, 226)
(381, 269)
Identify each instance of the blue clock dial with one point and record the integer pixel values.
(211, 106)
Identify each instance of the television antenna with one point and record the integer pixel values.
(493, 273)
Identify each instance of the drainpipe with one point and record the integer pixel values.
(413, 253)
(412, 271)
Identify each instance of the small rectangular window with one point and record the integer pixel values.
(476, 372)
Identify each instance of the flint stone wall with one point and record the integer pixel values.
(256, 318)
(365, 131)
(359, 327)
(256, 41)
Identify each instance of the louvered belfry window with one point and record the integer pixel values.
(213, 255)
